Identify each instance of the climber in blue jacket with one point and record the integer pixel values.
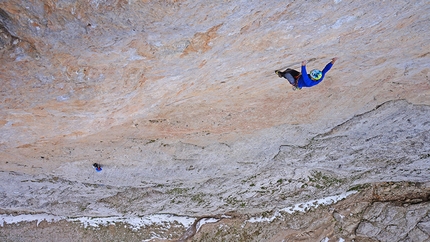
(303, 79)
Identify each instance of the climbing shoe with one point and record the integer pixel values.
(278, 73)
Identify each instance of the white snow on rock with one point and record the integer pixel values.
(10, 219)
(205, 221)
(134, 222)
(303, 207)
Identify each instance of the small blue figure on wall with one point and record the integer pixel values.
(98, 167)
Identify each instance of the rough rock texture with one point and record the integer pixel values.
(370, 215)
(179, 103)
(388, 211)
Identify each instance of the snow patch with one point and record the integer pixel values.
(134, 222)
(137, 222)
(303, 207)
(10, 219)
(205, 221)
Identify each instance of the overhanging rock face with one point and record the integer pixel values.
(179, 103)
(254, 174)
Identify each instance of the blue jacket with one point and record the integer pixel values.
(306, 81)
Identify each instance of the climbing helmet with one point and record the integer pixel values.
(316, 74)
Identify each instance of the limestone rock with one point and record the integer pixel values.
(179, 103)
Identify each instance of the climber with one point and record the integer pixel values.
(300, 80)
(98, 167)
